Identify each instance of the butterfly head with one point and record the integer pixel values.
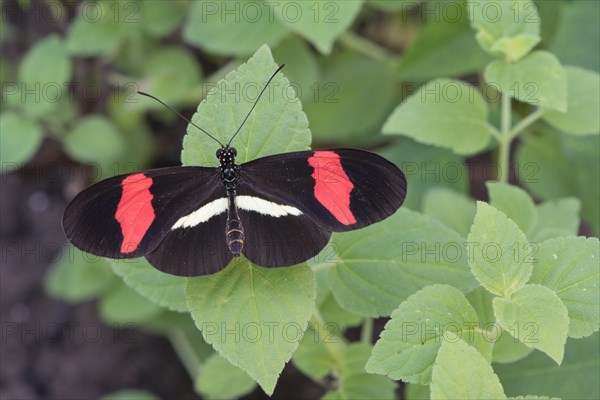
(226, 155)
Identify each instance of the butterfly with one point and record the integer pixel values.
(277, 211)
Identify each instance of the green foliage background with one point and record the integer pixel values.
(464, 101)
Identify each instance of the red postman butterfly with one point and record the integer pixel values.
(277, 211)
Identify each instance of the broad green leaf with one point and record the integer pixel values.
(160, 288)
(578, 20)
(94, 139)
(333, 313)
(515, 203)
(276, 125)
(460, 372)
(46, 64)
(453, 209)
(232, 28)
(433, 53)
(427, 168)
(78, 277)
(576, 378)
(301, 66)
(380, 266)
(417, 392)
(410, 341)
(444, 113)
(536, 317)
(556, 218)
(253, 316)
(101, 27)
(130, 394)
(583, 101)
(569, 266)
(391, 6)
(507, 349)
(160, 18)
(499, 254)
(121, 304)
(505, 28)
(320, 350)
(336, 107)
(218, 379)
(537, 79)
(19, 140)
(321, 22)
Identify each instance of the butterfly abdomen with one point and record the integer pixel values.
(235, 236)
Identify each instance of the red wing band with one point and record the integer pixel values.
(134, 211)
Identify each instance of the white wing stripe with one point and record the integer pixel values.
(202, 214)
(265, 207)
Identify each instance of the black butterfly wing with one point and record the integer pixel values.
(128, 216)
(338, 189)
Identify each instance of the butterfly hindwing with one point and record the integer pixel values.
(127, 216)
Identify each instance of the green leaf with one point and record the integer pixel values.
(130, 394)
(78, 277)
(319, 22)
(313, 357)
(227, 28)
(19, 140)
(100, 28)
(276, 125)
(337, 109)
(410, 341)
(160, 18)
(578, 20)
(301, 66)
(569, 266)
(556, 218)
(427, 168)
(380, 266)
(536, 317)
(334, 314)
(444, 113)
(515, 203)
(460, 372)
(576, 378)
(94, 139)
(218, 379)
(121, 305)
(499, 254)
(254, 316)
(163, 289)
(433, 53)
(507, 349)
(537, 79)
(417, 392)
(56, 71)
(509, 29)
(453, 209)
(583, 102)
(391, 6)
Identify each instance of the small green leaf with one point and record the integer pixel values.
(391, 6)
(556, 218)
(79, 277)
(460, 372)
(453, 209)
(219, 379)
(499, 254)
(504, 28)
(515, 203)
(444, 113)
(536, 317)
(507, 349)
(94, 139)
(46, 63)
(276, 125)
(227, 28)
(537, 79)
(19, 140)
(380, 266)
(576, 378)
(417, 392)
(253, 316)
(313, 357)
(569, 266)
(121, 305)
(130, 394)
(160, 288)
(334, 314)
(411, 339)
(319, 22)
(582, 116)
(160, 18)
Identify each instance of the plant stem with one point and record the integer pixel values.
(504, 140)
(364, 46)
(525, 122)
(185, 352)
(366, 333)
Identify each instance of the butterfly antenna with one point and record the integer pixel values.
(184, 118)
(255, 102)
